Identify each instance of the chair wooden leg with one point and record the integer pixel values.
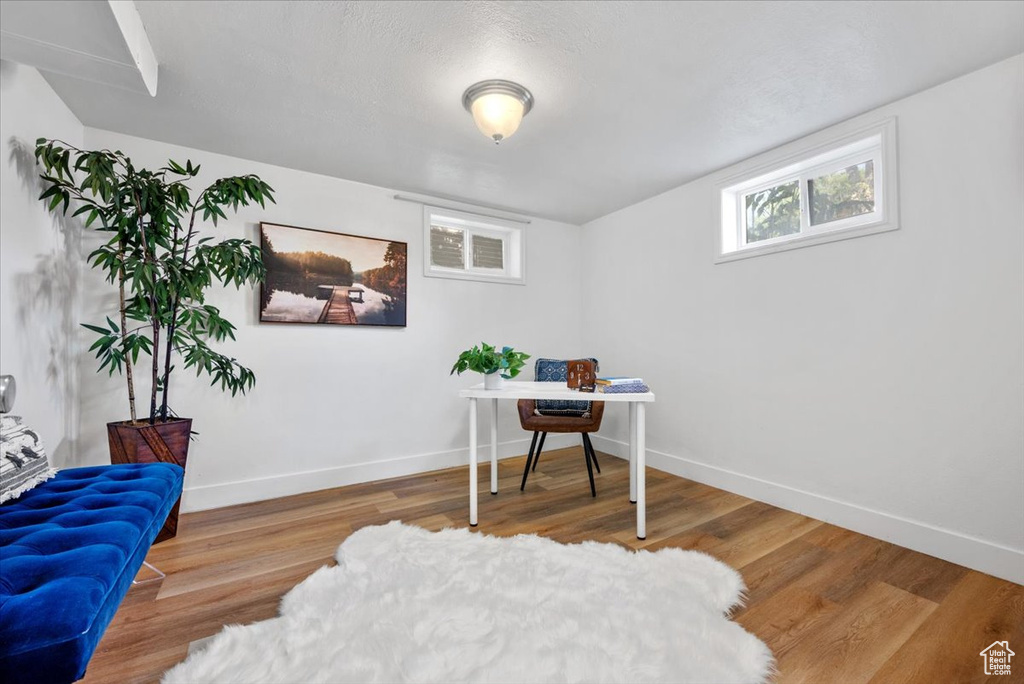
(590, 468)
(529, 459)
(593, 454)
(540, 448)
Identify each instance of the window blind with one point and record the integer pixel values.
(446, 247)
(488, 252)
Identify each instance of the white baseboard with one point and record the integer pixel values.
(972, 552)
(204, 497)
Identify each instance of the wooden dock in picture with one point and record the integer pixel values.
(339, 310)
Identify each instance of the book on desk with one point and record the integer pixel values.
(620, 385)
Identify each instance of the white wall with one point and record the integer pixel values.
(40, 265)
(334, 404)
(876, 382)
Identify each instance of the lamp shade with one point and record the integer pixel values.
(498, 107)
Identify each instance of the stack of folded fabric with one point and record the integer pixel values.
(23, 463)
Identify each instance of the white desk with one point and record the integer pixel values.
(558, 390)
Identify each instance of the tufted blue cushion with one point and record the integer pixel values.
(556, 370)
(69, 550)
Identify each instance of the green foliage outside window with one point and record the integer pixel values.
(846, 193)
(775, 211)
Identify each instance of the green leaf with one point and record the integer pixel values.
(144, 212)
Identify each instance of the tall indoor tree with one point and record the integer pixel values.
(160, 264)
(162, 268)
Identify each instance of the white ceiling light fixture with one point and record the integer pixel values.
(497, 106)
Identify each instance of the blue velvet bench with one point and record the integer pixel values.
(69, 549)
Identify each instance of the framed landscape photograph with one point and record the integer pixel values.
(315, 276)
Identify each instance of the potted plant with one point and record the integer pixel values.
(496, 366)
(161, 268)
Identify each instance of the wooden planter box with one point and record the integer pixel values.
(144, 443)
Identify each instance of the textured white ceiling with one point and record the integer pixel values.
(83, 26)
(631, 98)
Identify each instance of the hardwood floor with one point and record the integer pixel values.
(833, 605)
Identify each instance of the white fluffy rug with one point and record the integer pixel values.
(408, 605)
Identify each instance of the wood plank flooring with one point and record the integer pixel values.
(833, 605)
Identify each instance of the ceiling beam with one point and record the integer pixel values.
(103, 41)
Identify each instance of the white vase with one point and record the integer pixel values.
(493, 381)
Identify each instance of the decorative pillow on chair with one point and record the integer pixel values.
(23, 462)
(556, 370)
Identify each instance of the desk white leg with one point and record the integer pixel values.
(641, 471)
(494, 446)
(632, 452)
(472, 462)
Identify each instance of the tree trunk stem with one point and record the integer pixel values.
(128, 372)
(167, 363)
(156, 365)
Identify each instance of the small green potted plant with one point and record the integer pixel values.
(496, 366)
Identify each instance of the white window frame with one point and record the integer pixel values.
(511, 234)
(818, 155)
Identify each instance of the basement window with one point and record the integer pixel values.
(471, 247)
(809, 193)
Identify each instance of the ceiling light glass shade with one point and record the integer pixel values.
(498, 107)
(497, 115)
